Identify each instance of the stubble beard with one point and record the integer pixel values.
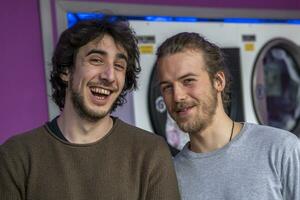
(81, 108)
(203, 117)
(83, 111)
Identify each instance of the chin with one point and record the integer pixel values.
(100, 111)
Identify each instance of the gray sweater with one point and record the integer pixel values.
(261, 163)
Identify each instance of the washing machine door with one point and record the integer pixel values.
(276, 85)
(165, 126)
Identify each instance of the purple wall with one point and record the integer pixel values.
(23, 103)
(265, 4)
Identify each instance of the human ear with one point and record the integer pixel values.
(65, 76)
(219, 81)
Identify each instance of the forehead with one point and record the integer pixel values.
(179, 64)
(105, 42)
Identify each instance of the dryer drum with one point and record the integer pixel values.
(162, 123)
(276, 85)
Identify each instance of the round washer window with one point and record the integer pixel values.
(276, 85)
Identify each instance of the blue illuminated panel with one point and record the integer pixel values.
(73, 18)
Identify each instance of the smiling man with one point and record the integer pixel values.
(85, 153)
(224, 160)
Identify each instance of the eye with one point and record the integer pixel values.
(120, 66)
(96, 61)
(166, 88)
(188, 81)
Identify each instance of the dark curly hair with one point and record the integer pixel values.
(79, 35)
(213, 56)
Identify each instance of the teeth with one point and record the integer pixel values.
(100, 91)
(182, 110)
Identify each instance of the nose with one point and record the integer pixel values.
(179, 93)
(108, 74)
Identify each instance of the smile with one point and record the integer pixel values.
(100, 93)
(183, 112)
(183, 107)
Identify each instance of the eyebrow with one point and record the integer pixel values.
(180, 78)
(96, 51)
(104, 53)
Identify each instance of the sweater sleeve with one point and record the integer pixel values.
(291, 173)
(11, 176)
(162, 181)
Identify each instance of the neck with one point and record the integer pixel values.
(80, 131)
(215, 136)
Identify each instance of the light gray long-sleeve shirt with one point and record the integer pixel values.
(261, 163)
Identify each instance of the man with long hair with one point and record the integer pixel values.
(85, 153)
(224, 159)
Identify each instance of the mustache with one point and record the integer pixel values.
(182, 105)
(103, 85)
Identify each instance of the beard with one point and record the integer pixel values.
(203, 117)
(83, 111)
(81, 108)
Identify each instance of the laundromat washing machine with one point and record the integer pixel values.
(271, 74)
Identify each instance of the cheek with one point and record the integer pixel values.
(196, 92)
(121, 79)
(79, 79)
(168, 101)
(76, 79)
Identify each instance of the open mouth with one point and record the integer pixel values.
(100, 93)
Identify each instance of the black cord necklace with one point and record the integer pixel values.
(231, 131)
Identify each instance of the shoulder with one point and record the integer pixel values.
(274, 138)
(269, 133)
(136, 133)
(18, 150)
(138, 137)
(24, 140)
